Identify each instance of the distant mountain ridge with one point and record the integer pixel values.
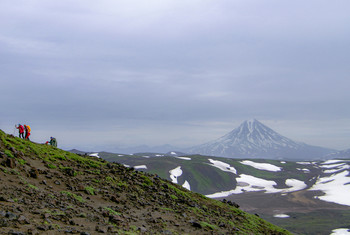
(339, 154)
(252, 139)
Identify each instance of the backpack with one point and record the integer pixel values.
(28, 128)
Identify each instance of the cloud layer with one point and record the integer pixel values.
(156, 72)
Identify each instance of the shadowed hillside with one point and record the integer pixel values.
(45, 190)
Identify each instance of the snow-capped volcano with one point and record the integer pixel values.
(254, 139)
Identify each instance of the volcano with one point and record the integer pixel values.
(252, 139)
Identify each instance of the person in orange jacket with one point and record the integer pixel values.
(27, 131)
(20, 130)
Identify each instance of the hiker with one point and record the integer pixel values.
(20, 131)
(53, 141)
(27, 131)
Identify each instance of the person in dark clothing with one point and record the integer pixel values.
(53, 141)
(20, 131)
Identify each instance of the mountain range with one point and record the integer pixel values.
(252, 139)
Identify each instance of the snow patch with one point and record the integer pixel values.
(186, 185)
(332, 165)
(261, 166)
(140, 167)
(340, 231)
(336, 188)
(341, 168)
(223, 166)
(184, 158)
(281, 216)
(304, 163)
(94, 155)
(305, 170)
(333, 161)
(175, 173)
(248, 183)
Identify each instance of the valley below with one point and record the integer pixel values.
(299, 212)
(308, 197)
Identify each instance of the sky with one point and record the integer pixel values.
(96, 74)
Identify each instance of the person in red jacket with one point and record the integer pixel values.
(20, 130)
(27, 131)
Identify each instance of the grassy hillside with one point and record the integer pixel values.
(47, 190)
(308, 214)
(206, 179)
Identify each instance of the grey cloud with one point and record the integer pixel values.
(135, 66)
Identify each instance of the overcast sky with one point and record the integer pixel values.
(122, 73)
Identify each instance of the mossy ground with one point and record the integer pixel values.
(47, 189)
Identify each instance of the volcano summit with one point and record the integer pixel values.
(252, 139)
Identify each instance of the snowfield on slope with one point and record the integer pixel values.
(94, 155)
(332, 165)
(186, 185)
(281, 216)
(336, 188)
(174, 173)
(248, 183)
(184, 158)
(334, 161)
(140, 167)
(222, 166)
(261, 166)
(340, 231)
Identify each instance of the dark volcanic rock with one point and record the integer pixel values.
(57, 192)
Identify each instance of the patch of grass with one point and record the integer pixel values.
(207, 225)
(90, 190)
(166, 209)
(21, 161)
(74, 196)
(51, 166)
(96, 180)
(111, 211)
(178, 191)
(64, 168)
(8, 153)
(146, 181)
(174, 197)
(110, 179)
(133, 230)
(33, 186)
(94, 172)
(59, 157)
(54, 212)
(122, 184)
(85, 161)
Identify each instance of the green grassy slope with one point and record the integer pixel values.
(204, 178)
(47, 190)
